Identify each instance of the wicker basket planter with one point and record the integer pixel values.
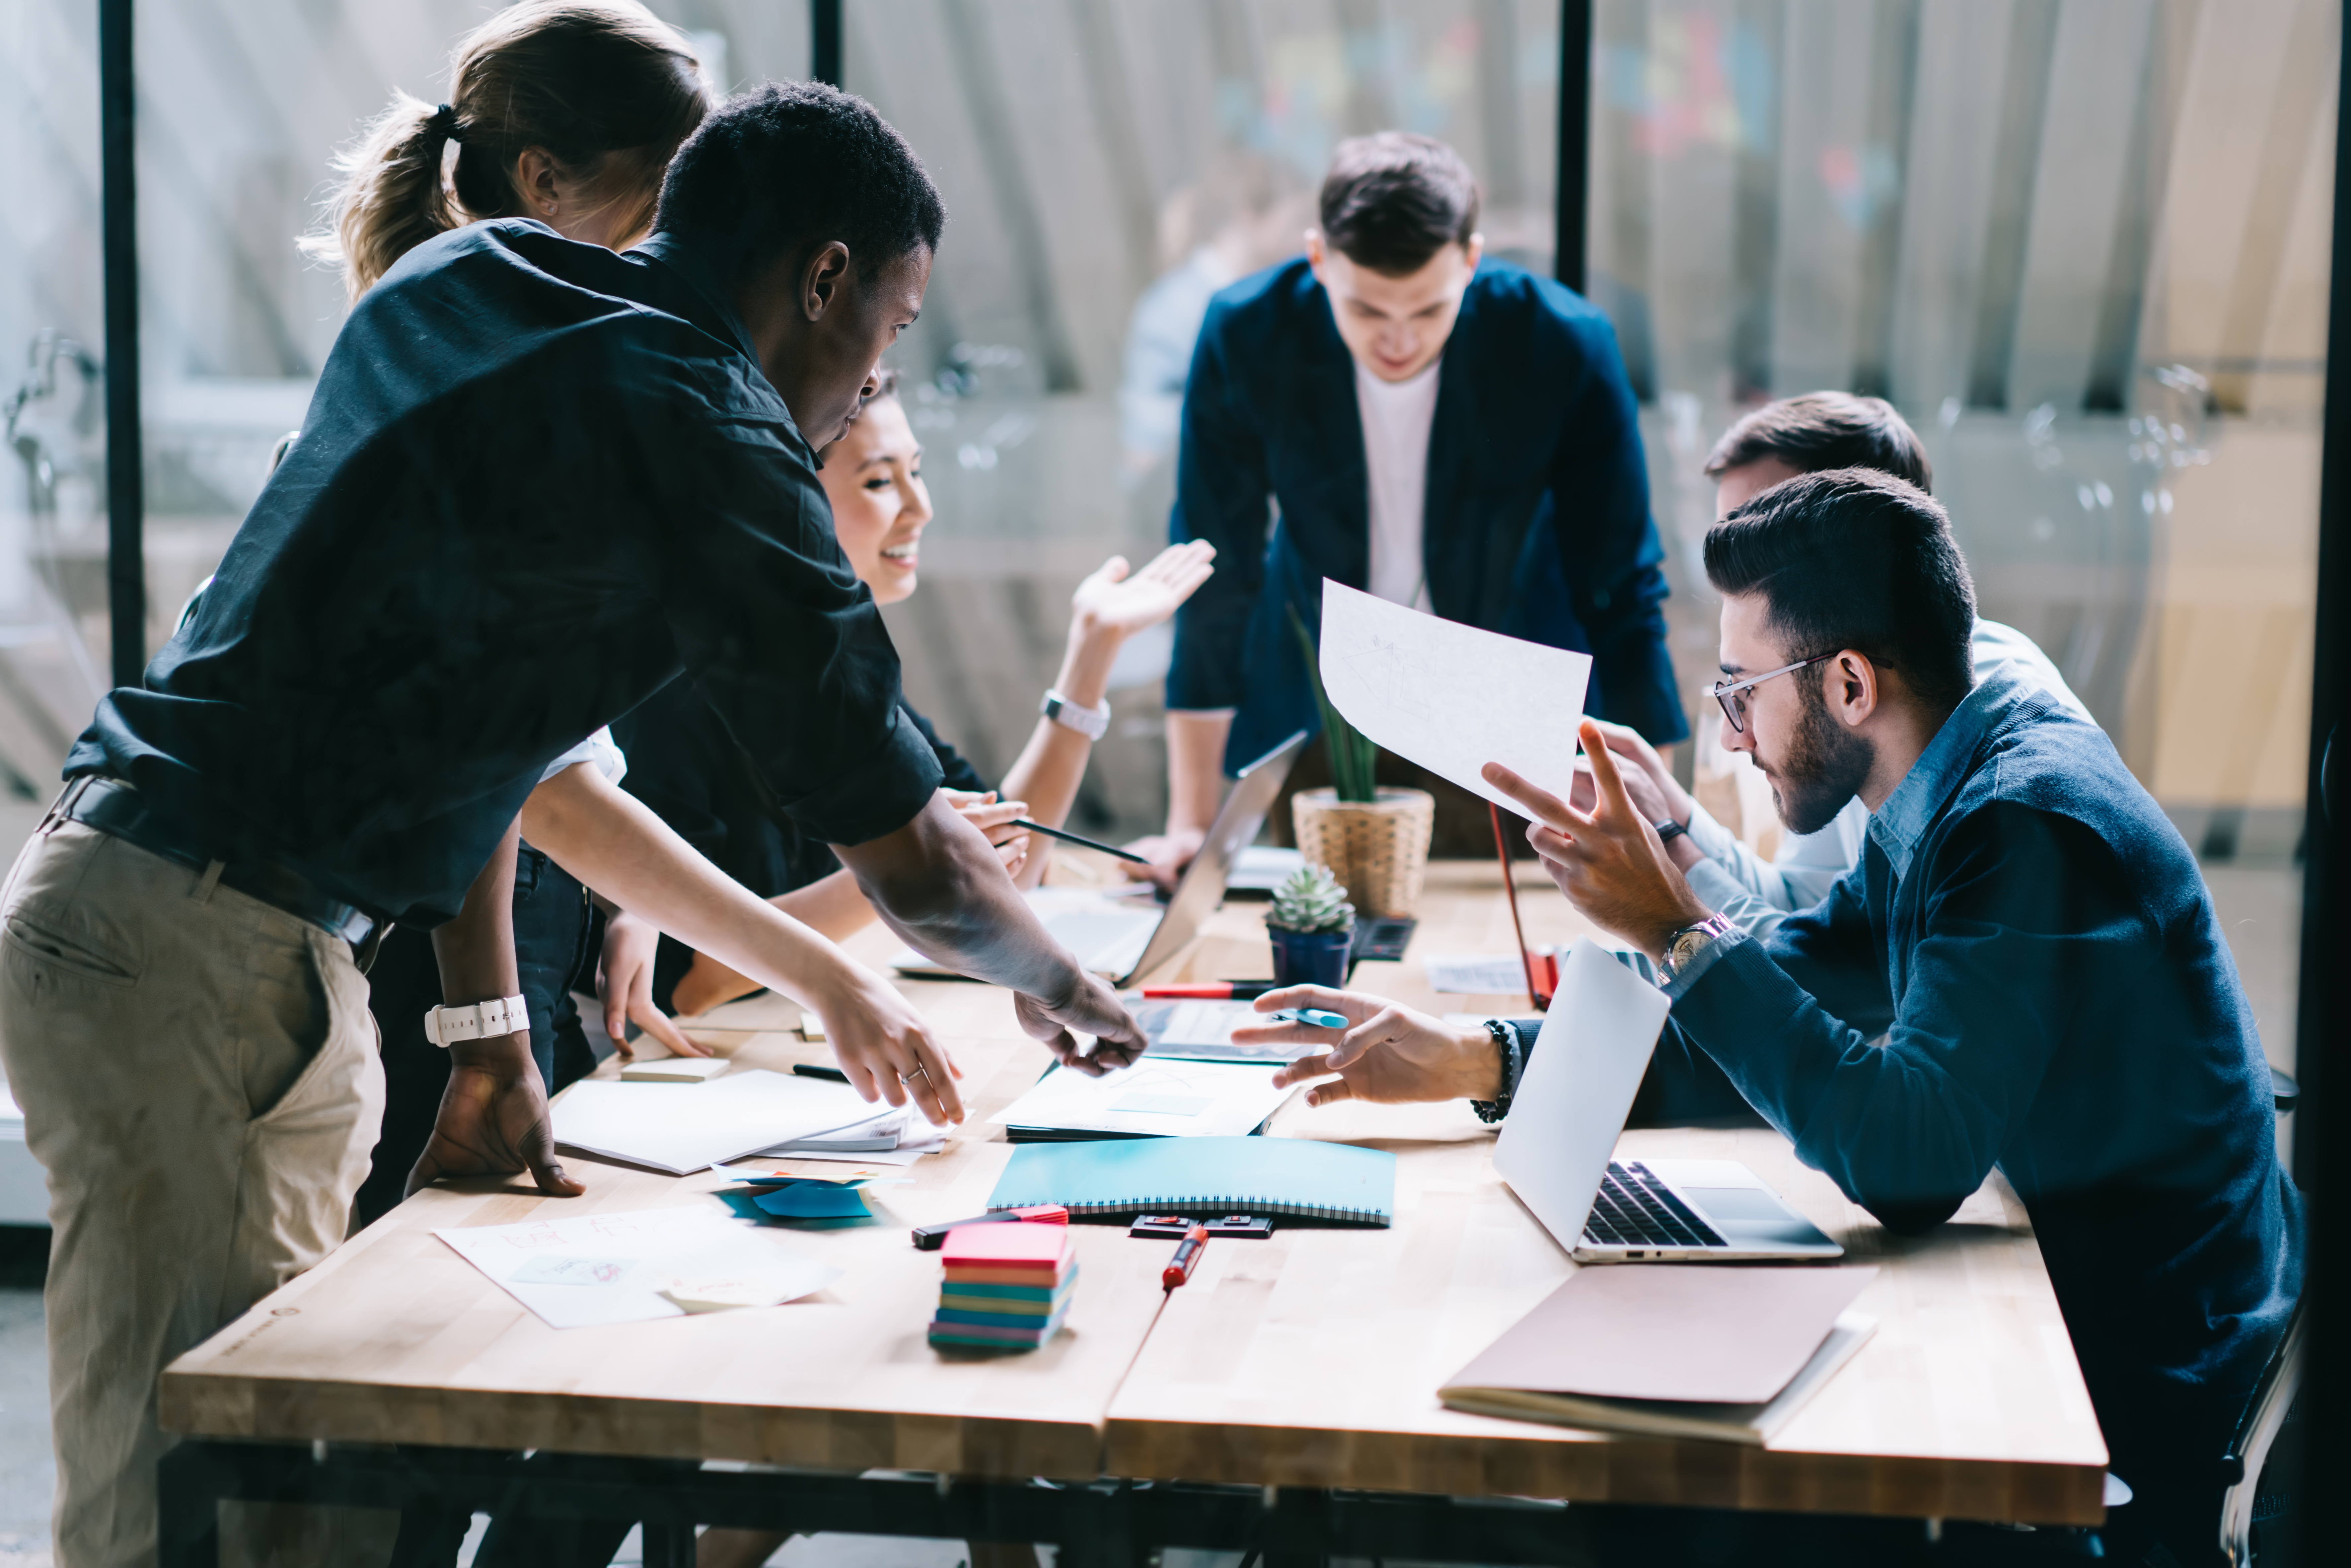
(1378, 851)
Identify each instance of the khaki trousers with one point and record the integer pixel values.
(199, 1079)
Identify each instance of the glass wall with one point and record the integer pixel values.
(53, 623)
(1107, 167)
(2081, 243)
(2084, 248)
(240, 107)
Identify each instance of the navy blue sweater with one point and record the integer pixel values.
(2024, 972)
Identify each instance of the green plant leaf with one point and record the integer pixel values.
(1354, 759)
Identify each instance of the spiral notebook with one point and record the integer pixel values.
(1297, 1177)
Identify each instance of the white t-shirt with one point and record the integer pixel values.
(1397, 417)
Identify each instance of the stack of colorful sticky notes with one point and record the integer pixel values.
(1007, 1285)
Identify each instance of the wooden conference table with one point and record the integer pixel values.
(1305, 1366)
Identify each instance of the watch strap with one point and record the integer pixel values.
(445, 1026)
(1684, 947)
(1094, 723)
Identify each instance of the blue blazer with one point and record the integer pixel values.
(1538, 499)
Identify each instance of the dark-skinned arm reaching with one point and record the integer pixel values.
(493, 1118)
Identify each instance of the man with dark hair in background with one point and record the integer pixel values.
(1803, 434)
(1435, 428)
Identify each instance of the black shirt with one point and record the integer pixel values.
(536, 481)
(686, 768)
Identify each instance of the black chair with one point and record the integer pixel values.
(2257, 1430)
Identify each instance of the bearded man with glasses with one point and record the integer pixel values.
(2024, 973)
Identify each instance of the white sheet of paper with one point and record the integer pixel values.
(1476, 976)
(682, 1128)
(1452, 697)
(591, 1269)
(1156, 1095)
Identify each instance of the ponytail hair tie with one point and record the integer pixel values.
(444, 123)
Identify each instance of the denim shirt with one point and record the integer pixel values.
(2024, 972)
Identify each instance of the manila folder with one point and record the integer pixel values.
(1675, 1335)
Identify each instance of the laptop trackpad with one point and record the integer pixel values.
(1751, 1216)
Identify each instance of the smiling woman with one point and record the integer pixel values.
(683, 761)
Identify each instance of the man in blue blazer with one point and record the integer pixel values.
(1436, 428)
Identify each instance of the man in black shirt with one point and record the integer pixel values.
(537, 482)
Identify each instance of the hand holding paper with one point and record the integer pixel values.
(1609, 860)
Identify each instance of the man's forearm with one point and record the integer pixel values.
(615, 844)
(939, 883)
(476, 951)
(1195, 765)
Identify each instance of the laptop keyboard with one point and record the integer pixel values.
(1635, 1209)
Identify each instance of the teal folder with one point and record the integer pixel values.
(1204, 1177)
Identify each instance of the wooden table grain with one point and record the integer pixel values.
(1310, 1359)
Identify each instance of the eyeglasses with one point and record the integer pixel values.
(1733, 695)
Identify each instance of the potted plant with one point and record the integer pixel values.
(1375, 840)
(1311, 925)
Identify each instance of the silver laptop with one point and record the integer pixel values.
(1557, 1142)
(1108, 936)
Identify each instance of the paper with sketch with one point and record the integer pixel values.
(1155, 1097)
(1449, 696)
(682, 1128)
(590, 1269)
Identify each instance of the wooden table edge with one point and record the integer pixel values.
(1601, 1469)
(230, 1406)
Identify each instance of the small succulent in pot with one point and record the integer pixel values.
(1312, 926)
(1310, 899)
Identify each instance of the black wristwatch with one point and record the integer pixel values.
(1506, 1046)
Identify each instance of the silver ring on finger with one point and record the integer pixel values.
(918, 1072)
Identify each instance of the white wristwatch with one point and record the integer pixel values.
(1094, 723)
(445, 1026)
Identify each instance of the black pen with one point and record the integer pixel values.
(1079, 839)
(811, 1070)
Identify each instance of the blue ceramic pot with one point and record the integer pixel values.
(1309, 958)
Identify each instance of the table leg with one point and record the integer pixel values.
(669, 1542)
(187, 1507)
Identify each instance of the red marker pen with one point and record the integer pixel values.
(1210, 990)
(1188, 1258)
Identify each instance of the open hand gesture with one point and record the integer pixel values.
(1387, 1052)
(1114, 603)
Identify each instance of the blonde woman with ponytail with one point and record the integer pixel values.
(566, 112)
(563, 110)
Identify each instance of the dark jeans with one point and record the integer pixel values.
(554, 934)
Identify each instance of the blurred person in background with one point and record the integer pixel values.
(1439, 429)
(692, 775)
(1244, 213)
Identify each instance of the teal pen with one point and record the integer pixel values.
(1314, 1017)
